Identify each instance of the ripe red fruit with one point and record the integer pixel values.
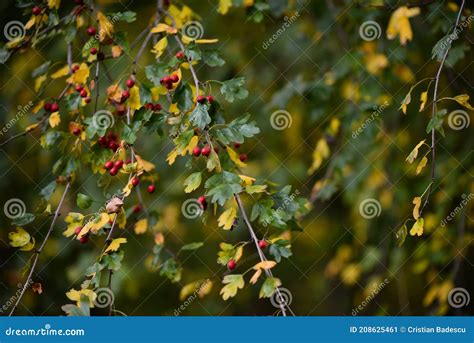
(113, 171)
(77, 230)
(206, 151)
(118, 164)
(151, 189)
(262, 244)
(201, 99)
(130, 83)
(179, 55)
(243, 157)
(36, 10)
(88, 99)
(47, 106)
(102, 141)
(236, 145)
(197, 151)
(79, 88)
(231, 265)
(93, 51)
(157, 108)
(84, 239)
(125, 94)
(202, 200)
(75, 68)
(149, 106)
(54, 107)
(137, 209)
(169, 85)
(91, 31)
(109, 165)
(83, 93)
(76, 131)
(174, 78)
(135, 181)
(166, 79)
(210, 99)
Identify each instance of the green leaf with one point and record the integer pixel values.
(183, 96)
(155, 72)
(212, 58)
(192, 182)
(84, 201)
(171, 270)
(280, 249)
(26, 218)
(440, 48)
(127, 16)
(199, 116)
(269, 287)
(436, 122)
(233, 282)
(232, 89)
(401, 234)
(192, 51)
(192, 246)
(4, 55)
(237, 130)
(223, 186)
(41, 69)
(48, 190)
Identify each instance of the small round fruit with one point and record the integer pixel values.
(201, 99)
(113, 171)
(109, 165)
(169, 85)
(47, 106)
(125, 94)
(137, 209)
(231, 265)
(197, 151)
(135, 181)
(130, 83)
(88, 99)
(93, 51)
(243, 157)
(54, 107)
(36, 10)
(76, 131)
(206, 151)
(77, 230)
(236, 145)
(118, 164)
(151, 189)
(157, 107)
(79, 88)
(83, 93)
(179, 55)
(202, 200)
(75, 68)
(174, 78)
(262, 244)
(84, 239)
(210, 99)
(91, 31)
(165, 79)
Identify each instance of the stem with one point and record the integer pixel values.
(38, 252)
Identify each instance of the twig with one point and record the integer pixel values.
(38, 252)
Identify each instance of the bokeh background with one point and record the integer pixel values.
(319, 69)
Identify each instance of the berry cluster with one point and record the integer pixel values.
(168, 81)
(109, 141)
(83, 93)
(201, 99)
(51, 107)
(153, 107)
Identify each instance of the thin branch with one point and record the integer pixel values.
(38, 252)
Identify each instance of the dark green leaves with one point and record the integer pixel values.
(155, 72)
(234, 88)
(223, 186)
(192, 246)
(437, 122)
(84, 201)
(279, 249)
(183, 96)
(24, 219)
(199, 116)
(237, 130)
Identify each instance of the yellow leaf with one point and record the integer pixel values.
(128, 188)
(115, 245)
(414, 153)
(255, 276)
(31, 22)
(39, 81)
(29, 246)
(61, 72)
(226, 219)
(206, 41)
(31, 127)
(161, 27)
(81, 75)
(375, 63)
(416, 210)
(400, 25)
(463, 100)
(224, 6)
(159, 239)
(248, 181)
(171, 158)
(417, 228)
(114, 93)
(265, 265)
(319, 155)
(54, 4)
(191, 145)
(160, 47)
(19, 238)
(106, 27)
(134, 101)
(76, 296)
(145, 165)
(423, 99)
(116, 51)
(141, 226)
(235, 157)
(54, 119)
(421, 165)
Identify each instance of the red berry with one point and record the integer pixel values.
(91, 31)
(157, 108)
(84, 239)
(79, 88)
(202, 200)
(77, 230)
(180, 55)
(243, 157)
(236, 145)
(88, 99)
(151, 189)
(149, 106)
(93, 51)
(102, 141)
(169, 85)
(118, 164)
(54, 107)
(130, 83)
(75, 68)
(135, 181)
(113, 171)
(210, 99)
(206, 151)
(174, 78)
(165, 79)
(197, 151)
(109, 165)
(128, 161)
(76, 131)
(231, 264)
(262, 244)
(201, 99)
(36, 10)
(47, 106)
(137, 209)
(83, 93)
(125, 94)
